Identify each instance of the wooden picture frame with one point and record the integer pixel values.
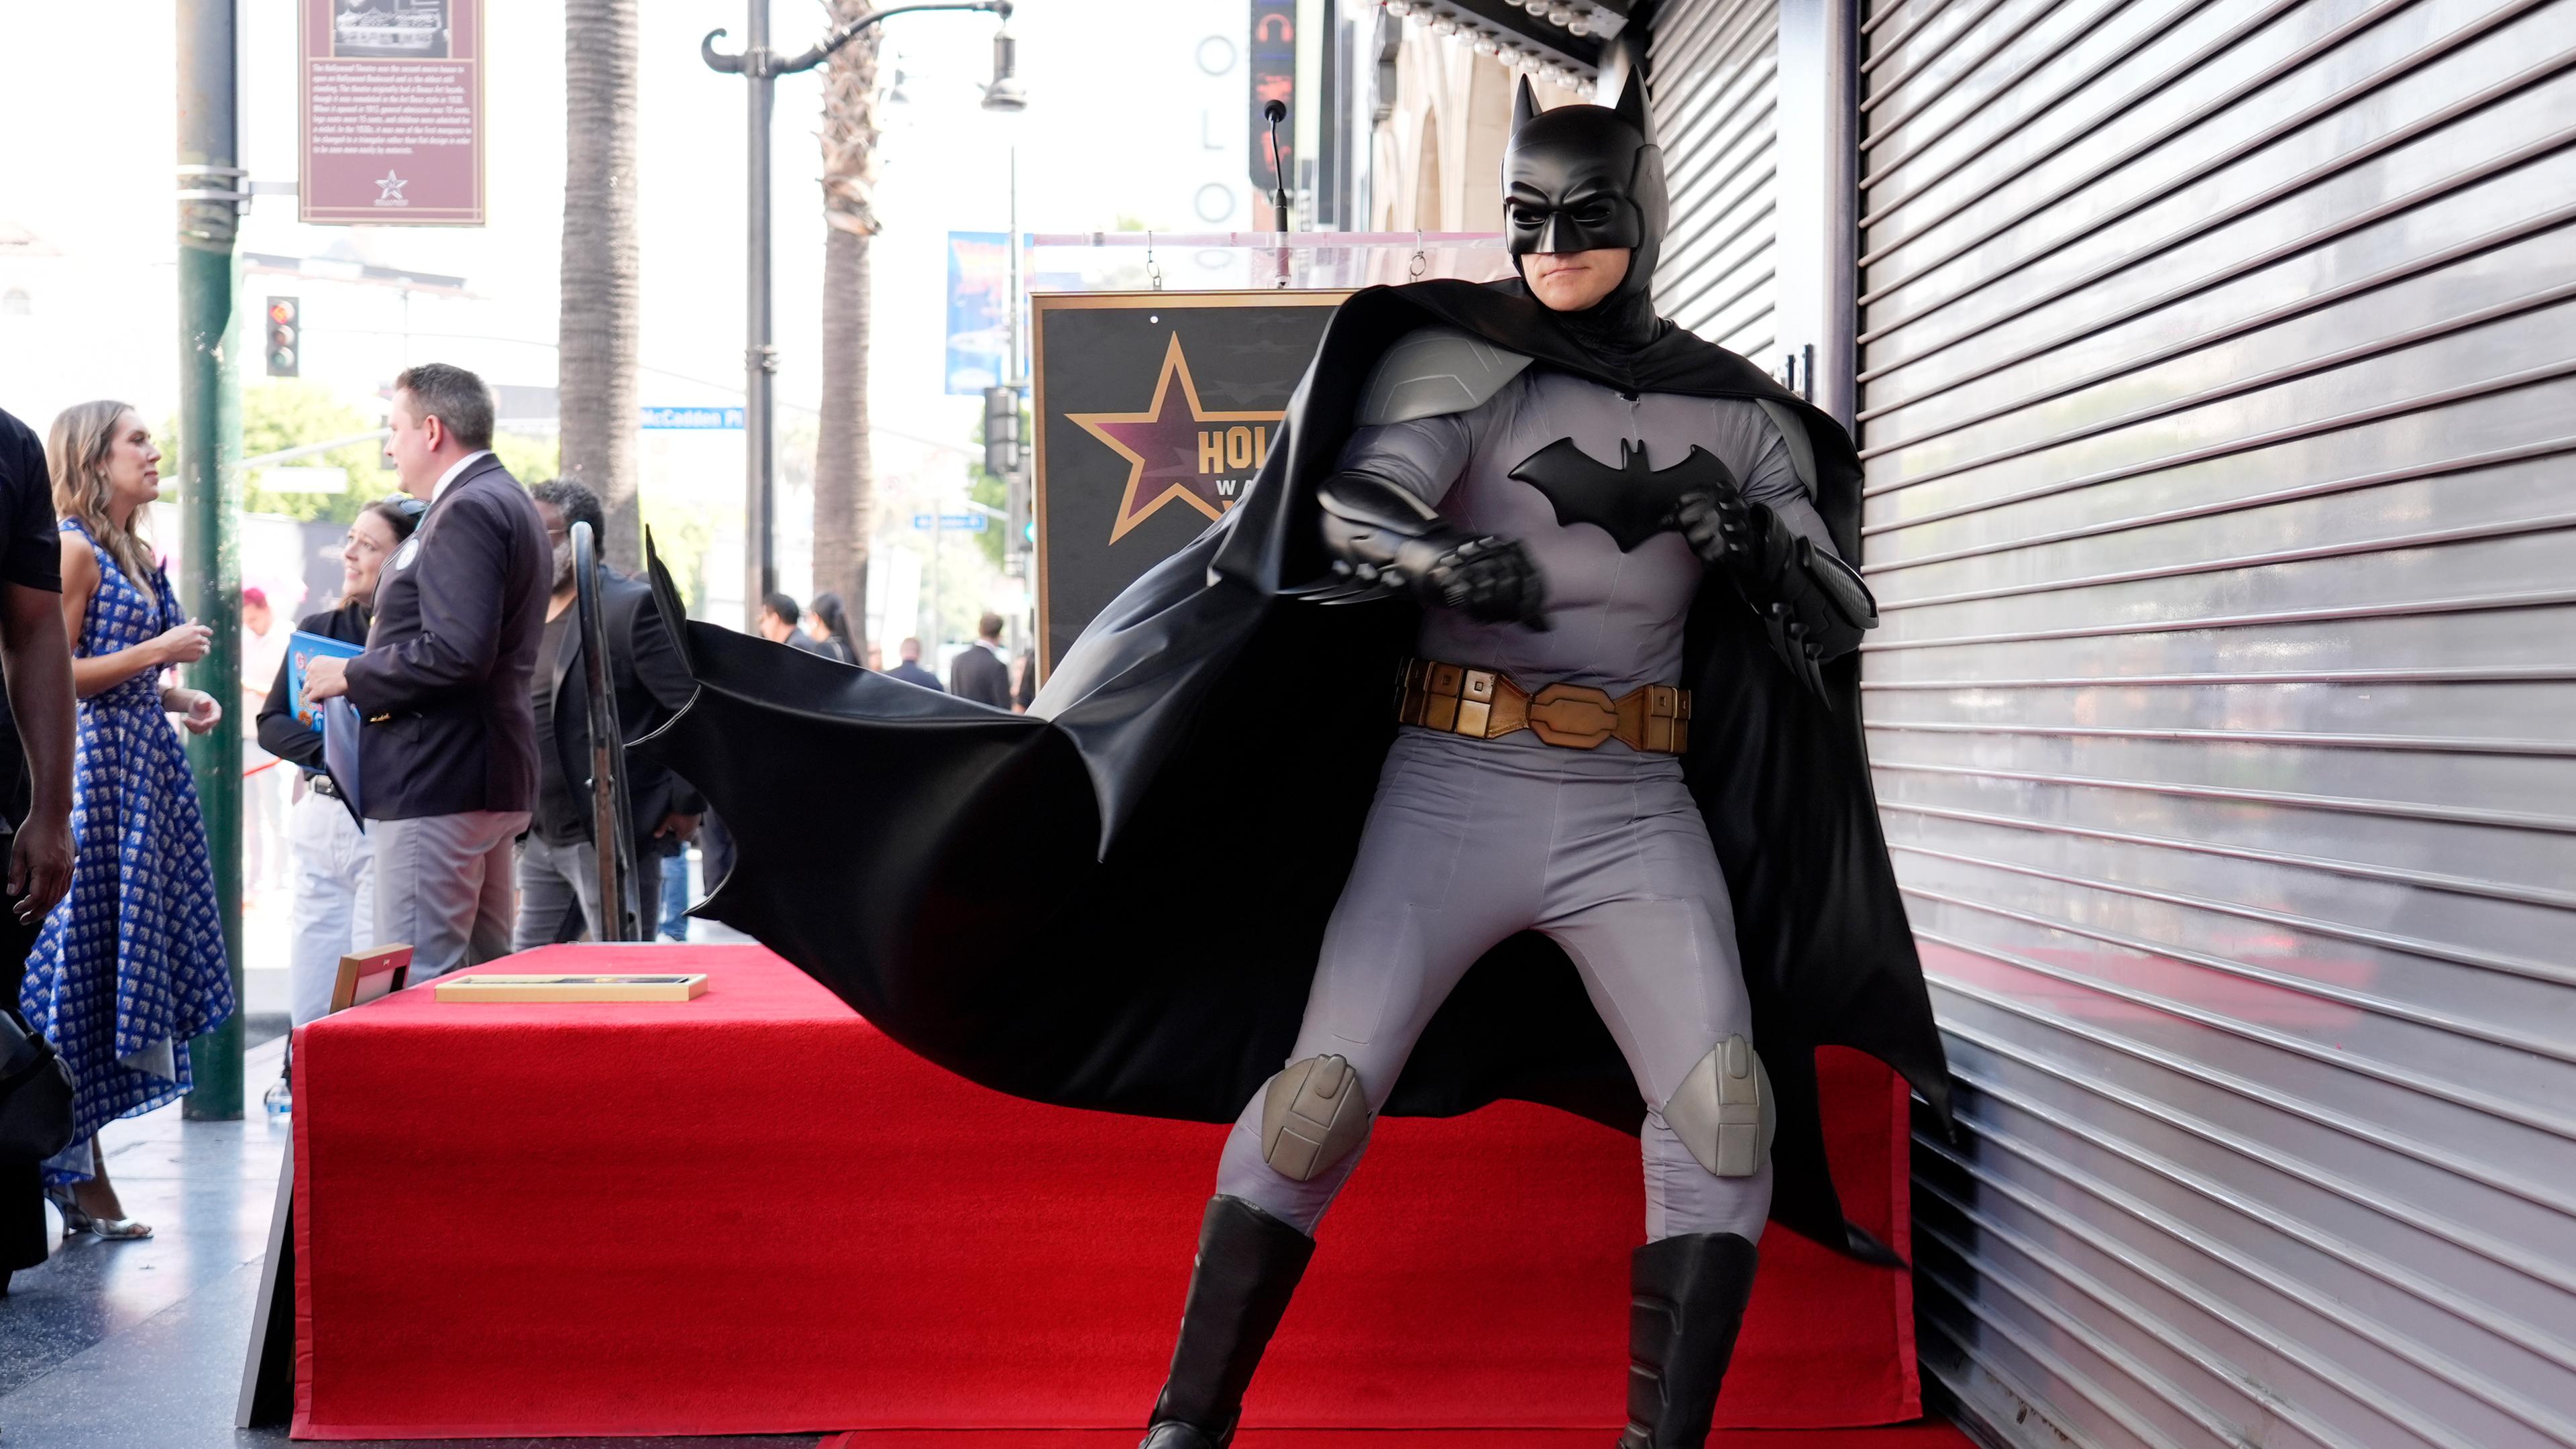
(366, 975)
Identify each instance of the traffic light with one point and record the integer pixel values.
(1001, 431)
(285, 337)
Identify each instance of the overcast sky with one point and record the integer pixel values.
(1126, 119)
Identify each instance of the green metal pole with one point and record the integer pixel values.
(210, 184)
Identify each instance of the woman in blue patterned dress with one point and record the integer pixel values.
(131, 964)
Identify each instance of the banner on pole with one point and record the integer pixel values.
(1154, 411)
(393, 112)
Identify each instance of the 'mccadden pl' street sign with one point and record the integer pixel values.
(693, 418)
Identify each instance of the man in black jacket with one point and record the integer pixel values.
(978, 673)
(447, 756)
(35, 771)
(909, 670)
(559, 859)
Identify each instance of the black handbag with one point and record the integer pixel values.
(35, 1095)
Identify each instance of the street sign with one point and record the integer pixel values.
(393, 113)
(951, 522)
(693, 419)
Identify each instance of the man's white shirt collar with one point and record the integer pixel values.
(459, 466)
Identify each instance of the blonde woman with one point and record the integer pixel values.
(131, 964)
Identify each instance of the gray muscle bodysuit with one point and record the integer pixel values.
(1470, 841)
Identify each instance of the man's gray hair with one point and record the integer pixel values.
(457, 398)
(577, 504)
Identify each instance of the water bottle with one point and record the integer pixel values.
(280, 1099)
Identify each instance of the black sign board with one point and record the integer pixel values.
(1154, 410)
(1273, 53)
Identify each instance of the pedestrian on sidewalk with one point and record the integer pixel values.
(130, 966)
(979, 671)
(827, 625)
(36, 731)
(781, 622)
(334, 862)
(910, 670)
(447, 754)
(559, 856)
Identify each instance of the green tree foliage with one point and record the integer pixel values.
(993, 490)
(292, 412)
(530, 460)
(284, 413)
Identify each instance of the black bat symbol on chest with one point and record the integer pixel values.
(1631, 502)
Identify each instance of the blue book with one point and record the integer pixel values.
(340, 755)
(301, 650)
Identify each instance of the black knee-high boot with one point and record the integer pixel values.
(1686, 1299)
(1248, 1266)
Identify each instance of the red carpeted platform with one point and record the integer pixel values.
(1892, 1437)
(751, 1213)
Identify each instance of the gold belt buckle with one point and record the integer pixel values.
(1575, 716)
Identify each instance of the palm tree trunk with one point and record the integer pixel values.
(599, 356)
(844, 474)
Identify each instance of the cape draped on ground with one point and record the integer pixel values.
(1116, 901)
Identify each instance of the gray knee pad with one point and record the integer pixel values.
(1313, 1114)
(1723, 1112)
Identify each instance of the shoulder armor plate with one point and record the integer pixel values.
(1435, 371)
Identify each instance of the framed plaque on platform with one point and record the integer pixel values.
(650, 986)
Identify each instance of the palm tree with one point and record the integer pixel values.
(844, 481)
(599, 353)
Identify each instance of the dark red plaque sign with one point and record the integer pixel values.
(393, 112)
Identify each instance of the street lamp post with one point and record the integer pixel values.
(762, 66)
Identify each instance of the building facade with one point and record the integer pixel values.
(2214, 371)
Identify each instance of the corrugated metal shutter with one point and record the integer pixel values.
(1715, 65)
(2218, 406)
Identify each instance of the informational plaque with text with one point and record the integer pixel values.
(393, 112)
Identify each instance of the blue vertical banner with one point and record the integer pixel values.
(979, 310)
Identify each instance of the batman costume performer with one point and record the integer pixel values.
(1614, 833)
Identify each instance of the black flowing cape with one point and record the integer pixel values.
(1116, 900)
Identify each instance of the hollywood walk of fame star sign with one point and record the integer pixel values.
(1177, 449)
(1152, 414)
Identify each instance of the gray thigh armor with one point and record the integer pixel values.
(1467, 843)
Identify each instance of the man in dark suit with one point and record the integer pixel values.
(979, 672)
(559, 859)
(35, 772)
(447, 756)
(779, 617)
(910, 670)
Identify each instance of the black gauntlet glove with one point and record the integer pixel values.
(1383, 541)
(1814, 607)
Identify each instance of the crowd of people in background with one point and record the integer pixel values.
(460, 823)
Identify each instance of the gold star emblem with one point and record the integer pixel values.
(1172, 454)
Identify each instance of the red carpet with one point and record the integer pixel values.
(751, 1213)
(1894, 1437)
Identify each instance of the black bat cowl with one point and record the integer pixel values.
(1116, 900)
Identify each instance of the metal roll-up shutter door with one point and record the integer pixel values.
(1715, 67)
(2218, 409)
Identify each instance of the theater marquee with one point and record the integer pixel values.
(1154, 411)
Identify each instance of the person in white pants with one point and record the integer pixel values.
(333, 860)
(333, 875)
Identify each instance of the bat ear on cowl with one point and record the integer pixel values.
(1631, 106)
(1524, 104)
